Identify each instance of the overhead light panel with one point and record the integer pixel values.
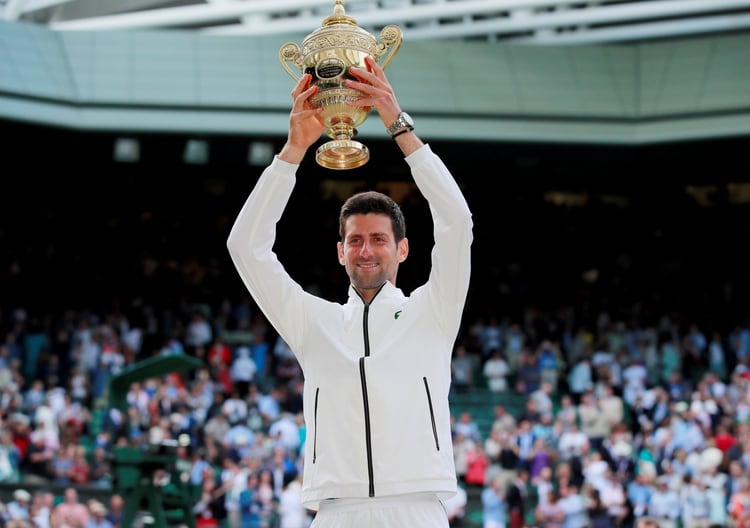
(196, 152)
(127, 150)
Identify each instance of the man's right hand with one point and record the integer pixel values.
(305, 126)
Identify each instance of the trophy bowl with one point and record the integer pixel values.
(327, 54)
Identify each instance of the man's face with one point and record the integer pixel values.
(369, 251)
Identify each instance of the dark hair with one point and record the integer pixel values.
(373, 202)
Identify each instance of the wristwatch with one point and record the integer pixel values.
(403, 123)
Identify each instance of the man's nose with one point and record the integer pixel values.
(366, 249)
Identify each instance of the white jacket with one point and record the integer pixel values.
(377, 377)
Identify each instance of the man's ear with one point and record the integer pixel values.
(340, 251)
(403, 249)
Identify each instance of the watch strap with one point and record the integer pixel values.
(402, 131)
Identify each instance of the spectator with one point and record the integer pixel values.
(550, 513)
(543, 399)
(494, 510)
(496, 371)
(639, 493)
(80, 472)
(502, 419)
(462, 446)
(574, 505)
(614, 498)
(10, 457)
(477, 463)
(517, 499)
(528, 374)
(70, 512)
(739, 504)
(550, 364)
(468, 427)
(42, 503)
(198, 332)
(243, 371)
(232, 481)
(580, 379)
(291, 512)
(594, 420)
(18, 509)
(209, 509)
(37, 465)
(597, 510)
(281, 467)
(116, 510)
(462, 369)
(696, 505)
(98, 518)
(489, 336)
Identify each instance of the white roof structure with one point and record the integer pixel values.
(543, 22)
(606, 71)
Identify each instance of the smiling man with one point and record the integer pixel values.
(377, 368)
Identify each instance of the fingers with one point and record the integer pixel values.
(303, 90)
(374, 67)
(373, 74)
(302, 84)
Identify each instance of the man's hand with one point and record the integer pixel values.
(376, 91)
(305, 127)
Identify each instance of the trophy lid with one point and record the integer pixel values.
(339, 31)
(339, 15)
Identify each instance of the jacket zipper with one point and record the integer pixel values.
(315, 434)
(365, 400)
(432, 413)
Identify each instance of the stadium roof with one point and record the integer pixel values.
(544, 22)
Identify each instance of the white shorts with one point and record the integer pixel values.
(402, 511)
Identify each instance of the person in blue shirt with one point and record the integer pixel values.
(494, 508)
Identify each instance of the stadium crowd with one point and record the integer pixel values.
(622, 329)
(619, 422)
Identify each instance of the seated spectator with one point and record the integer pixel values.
(98, 518)
(739, 504)
(494, 508)
(496, 371)
(477, 463)
(10, 457)
(70, 512)
(550, 513)
(36, 466)
(18, 509)
(467, 427)
(462, 369)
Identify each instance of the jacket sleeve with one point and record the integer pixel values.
(448, 283)
(250, 245)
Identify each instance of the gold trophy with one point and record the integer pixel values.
(327, 54)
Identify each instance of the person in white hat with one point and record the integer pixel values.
(18, 508)
(98, 517)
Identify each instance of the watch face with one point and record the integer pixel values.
(407, 119)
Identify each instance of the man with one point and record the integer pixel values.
(70, 512)
(516, 498)
(377, 368)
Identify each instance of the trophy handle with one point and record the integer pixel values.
(290, 52)
(391, 37)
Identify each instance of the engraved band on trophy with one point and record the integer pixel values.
(327, 54)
